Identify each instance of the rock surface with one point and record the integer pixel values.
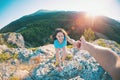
(12, 40)
(38, 64)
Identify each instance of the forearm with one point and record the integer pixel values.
(71, 41)
(106, 57)
(101, 53)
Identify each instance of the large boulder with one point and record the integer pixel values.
(12, 40)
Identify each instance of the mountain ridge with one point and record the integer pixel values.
(44, 21)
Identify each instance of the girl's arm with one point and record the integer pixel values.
(76, 44)
(71, 41)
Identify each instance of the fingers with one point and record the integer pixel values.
(83, 41)
(77, 44)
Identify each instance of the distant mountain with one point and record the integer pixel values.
(37, 28)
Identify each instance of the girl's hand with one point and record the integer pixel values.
(77, 44)
(83, 41)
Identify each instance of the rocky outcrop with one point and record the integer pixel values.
(15, 39)
(83, 67)
(12, 40)
(109, 44)
(38, 64)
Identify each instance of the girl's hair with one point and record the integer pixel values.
(59, 30)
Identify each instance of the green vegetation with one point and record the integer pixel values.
(69, 46)
(69, 57)
(11, 45)
(14, 78)
(14, 56)
(89, 34)
(7, 56)
(4, 57)
(33, 49)
(1, 39)
(101, 43)
(38, 27)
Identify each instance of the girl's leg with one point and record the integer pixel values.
(58, 61)
(64, 54)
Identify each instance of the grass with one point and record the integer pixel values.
(101, 43)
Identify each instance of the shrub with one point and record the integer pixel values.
(89, 34)
(70, 46)
(14, 78)
(69, 57)
(101, 43)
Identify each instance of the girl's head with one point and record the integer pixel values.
(59, 34)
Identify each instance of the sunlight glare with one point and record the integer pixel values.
(95, 7)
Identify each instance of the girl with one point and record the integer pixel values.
(60, 41)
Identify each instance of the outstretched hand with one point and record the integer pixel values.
(80, 44)
(82, 41)
(77, 44)
(107, 58)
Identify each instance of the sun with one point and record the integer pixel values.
(95, 7)
(94, 13)
(91, 15)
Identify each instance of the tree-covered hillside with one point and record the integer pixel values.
(38, 27)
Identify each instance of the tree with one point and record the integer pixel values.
(89, 34)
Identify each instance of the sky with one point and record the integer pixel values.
(11, 10)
